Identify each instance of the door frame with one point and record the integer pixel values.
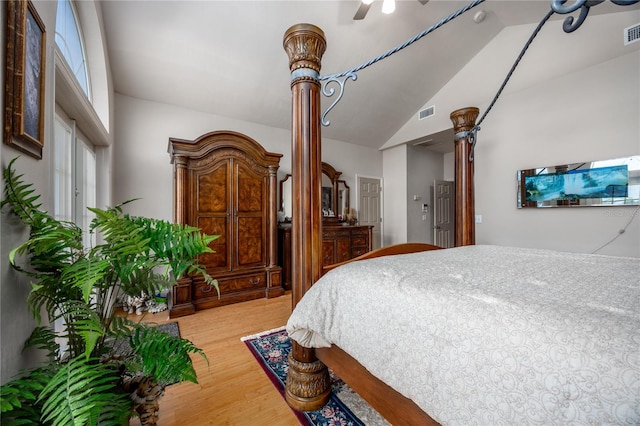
(436, 209)
(381, 180)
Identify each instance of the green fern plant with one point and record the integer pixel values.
(86, 384)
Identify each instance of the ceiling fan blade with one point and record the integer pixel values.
(423, 2)
(362, 11)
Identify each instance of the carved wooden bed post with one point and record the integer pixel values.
(308, 385)
(465, 230)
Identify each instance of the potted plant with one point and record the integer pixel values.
(86, 382)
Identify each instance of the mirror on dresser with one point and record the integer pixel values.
(335, 196)
(340, 241)
(343, 199)
(331, 193)
(285, 208)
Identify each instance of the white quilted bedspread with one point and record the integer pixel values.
(489, 335)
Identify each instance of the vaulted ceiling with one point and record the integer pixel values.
(226, 57)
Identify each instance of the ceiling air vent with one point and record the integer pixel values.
(631, 34)
(428, 112)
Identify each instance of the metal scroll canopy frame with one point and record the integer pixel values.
(330, 82)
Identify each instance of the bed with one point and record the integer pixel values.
(314, 347)
(487, 334)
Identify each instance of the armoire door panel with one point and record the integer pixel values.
(212, 191)
(251, 189)
(216, 225)
(250, 248)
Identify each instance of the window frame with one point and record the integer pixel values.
(70, 60)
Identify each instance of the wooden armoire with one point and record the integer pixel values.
(225, 184)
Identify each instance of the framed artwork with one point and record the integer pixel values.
(25, 78)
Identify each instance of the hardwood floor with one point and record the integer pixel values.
(233, 389)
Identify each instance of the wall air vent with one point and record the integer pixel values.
(631, 34)
(428, 112)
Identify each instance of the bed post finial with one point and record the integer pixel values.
(308, 385)
(465, 229)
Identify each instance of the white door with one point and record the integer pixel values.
(74, 183)
(443, 216)
(369, 204)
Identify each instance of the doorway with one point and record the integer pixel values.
(369, 206)
(443, 213)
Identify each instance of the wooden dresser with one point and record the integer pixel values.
(339, 243)
(225, 184)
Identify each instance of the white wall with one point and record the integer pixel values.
(350, 159)
(562, 106)
(536, 127)
(143, 169)
(394, 193)
(553, 53)
(16, 322)
(449, 166)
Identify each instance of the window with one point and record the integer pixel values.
(70, 42)
(74, 177)
(78, 148)
(62, 171)
(85, 188)
(74, 184)
(80, 153)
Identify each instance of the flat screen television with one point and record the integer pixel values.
(609, 182)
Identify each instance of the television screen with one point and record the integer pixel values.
(602, 182)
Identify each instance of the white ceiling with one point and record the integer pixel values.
(226, 57)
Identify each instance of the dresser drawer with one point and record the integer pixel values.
(360, 241)
(246, 282)
(328, 253)
(360, 230)
(330, 234)
(358, 251)
(230, 285)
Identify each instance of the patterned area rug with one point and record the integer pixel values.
(345, 407)
(121, 347)
(171, 328)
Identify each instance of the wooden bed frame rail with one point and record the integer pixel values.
(308, 384)
(388, 251)
(391, 404)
